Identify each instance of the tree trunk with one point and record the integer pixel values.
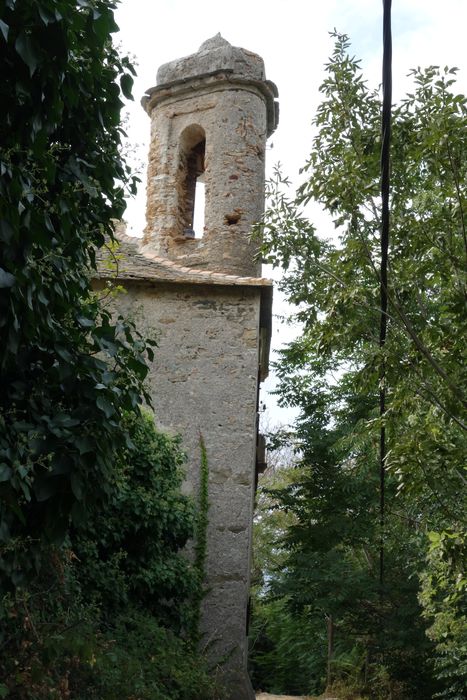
(330, 628)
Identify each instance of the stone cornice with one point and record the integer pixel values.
(210, 82)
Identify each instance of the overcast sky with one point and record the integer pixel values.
(292, 36)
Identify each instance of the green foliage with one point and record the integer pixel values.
(444, 598)
(68, 371)
(325, 567)
(56, 645)
(129, 551)
(271, 522)
(47, 631)
(331, 373)
(200, 538)
(287, 653)
(203, 507)
(144, 660)
(103, 619)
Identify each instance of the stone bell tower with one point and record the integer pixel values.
(199, 289)
(211, 114)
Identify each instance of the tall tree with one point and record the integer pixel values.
(67, 370)
(331, 371)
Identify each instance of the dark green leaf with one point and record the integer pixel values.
(105, 406)
(6, 231)
(6, 279)
(46, 16)
(26, 50)
(84, 444)
(5, 472)
(45, 488)
(4, 28)
(85, 322)
(126, 83)
(76, 486)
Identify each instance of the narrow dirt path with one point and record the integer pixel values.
(267, 696)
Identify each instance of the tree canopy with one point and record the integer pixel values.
(331, 372)
(67, 369)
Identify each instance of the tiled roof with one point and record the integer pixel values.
(131, 261)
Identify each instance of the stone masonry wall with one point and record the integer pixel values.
(204, 379)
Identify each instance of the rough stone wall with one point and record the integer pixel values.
(234, 121)
(204, 379)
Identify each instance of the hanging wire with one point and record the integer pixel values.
(384, 249)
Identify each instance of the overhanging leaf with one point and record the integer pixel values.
(76, 486)
(6, 231)
(126, 83)
(25, 49)
(6, 279)
(44, 489)
(4, 28)
(5, 472)
(105, 406)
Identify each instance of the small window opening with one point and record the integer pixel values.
(192, 153)
(198, 214)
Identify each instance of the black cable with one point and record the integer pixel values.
(384, 249)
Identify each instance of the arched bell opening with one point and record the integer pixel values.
(191, 170)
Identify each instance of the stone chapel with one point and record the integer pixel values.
(199, 289)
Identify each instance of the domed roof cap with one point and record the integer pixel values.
(214, 55)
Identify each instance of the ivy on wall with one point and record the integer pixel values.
(200, 538)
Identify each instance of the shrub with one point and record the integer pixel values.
(105, 617)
